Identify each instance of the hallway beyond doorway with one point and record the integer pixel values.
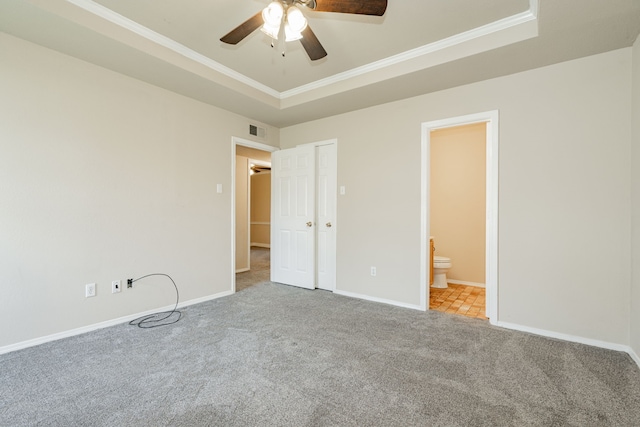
(260, 268)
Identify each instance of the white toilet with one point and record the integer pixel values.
(441, 264)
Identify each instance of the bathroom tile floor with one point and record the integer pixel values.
(459, 299)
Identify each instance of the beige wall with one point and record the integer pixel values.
(242, 213)
(565, 139)
(103, 177)
(253, 153)
(458, 199)
(635, 283)
(261, 209)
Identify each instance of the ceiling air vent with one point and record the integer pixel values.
(257, 131)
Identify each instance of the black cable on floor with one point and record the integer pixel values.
(153, 320)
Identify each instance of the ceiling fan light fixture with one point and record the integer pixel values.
(273, 13)
(272, 16)
(271, 31)
(295, 19)
(291, 35)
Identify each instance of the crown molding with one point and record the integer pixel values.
(421, 52)
(124, 22)
(428, 49)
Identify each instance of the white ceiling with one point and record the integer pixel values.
(418, 46)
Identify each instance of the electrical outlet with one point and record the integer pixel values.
(373, 271)
(90, 290)
(129, 283)
(116, 286)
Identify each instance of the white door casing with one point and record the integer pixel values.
(293, 217)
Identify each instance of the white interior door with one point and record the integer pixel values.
(293, 217)
(326, 213)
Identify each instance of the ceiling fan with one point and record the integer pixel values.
(283, 17)
(259, 168)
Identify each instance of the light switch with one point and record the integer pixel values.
(343, 190)
(219, 188)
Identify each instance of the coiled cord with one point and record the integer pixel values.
(158, 319)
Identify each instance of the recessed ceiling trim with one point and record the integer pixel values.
(534, 7)
(358, 76)
(124, 22)
(450, 42)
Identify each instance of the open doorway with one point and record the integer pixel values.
(257, 222)
(490, 119)
(250, 213)
(457, 219)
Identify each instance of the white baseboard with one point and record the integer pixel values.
(375, 299)
(261, 245)
(572, 338)
(634, 356)
(462, 282)
(242, 270)
(105, 324)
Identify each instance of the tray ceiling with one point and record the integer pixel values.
(416, 47)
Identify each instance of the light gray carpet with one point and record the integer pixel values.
(274, 355)
(259, 272)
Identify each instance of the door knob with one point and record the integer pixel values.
(328, 225)
(309, 224)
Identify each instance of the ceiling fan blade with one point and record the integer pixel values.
(312, 45)
(244, 29)
(362, 7)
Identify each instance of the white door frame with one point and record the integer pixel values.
(235, 141)
(491, 118)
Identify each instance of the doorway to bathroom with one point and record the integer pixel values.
(457, 219)
(464, 224)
